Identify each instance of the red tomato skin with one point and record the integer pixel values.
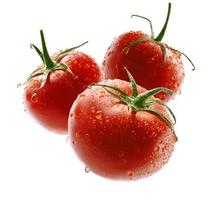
(50, 104)
(114, 142)
(145, 63)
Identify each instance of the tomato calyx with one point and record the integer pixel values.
(142, 102)
(158, 39)
(50, 65)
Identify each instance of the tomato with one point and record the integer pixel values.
(52, 88)
(120, 132)
(151, 62)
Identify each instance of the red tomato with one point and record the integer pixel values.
(52, 88)
(121, 136)
(151, 62)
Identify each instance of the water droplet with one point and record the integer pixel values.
(173, 78)
(153, 134)
(82, 96)
(76, 134)
(163, 149)
(73, 142)
(87, 79)
(93, 109)
(98, 115)
(87, 170)
(101, 94)
(121, 154)
(33, 82)
(107, 120)
(130, 174)
(72, 115)
(176, 85)
(25, 110)
(157, 148)
(109, 53)
(153, 164)
(153, 59)
(93, 121)
(34, 98)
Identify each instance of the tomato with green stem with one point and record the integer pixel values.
(152, 62)
(51, 89)
(122, 132)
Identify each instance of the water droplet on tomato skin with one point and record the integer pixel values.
(130, 175)
(173, 78)
(176, 85)
(153, 164)
(76, 134)
(58, 74)
(157, 148)
(93, 109)
(72, 115)
(87, 170)
(101, 94)
(99, 115)
(121, 154)
(107, 120)
(82, 96)
(34, 98)
(109, 53)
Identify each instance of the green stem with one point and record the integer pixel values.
(187, 58)
(133, 83)
(161, 34)
(141, 98)
(69, 50)
(38, 51)
(47, 60)
(151, 27)
(127, 48)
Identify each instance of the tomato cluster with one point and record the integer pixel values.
(116, 116)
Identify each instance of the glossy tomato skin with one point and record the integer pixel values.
(50, 104)
(145, 62)
(115, 142)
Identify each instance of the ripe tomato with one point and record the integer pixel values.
(151, 62)
(119, 132)
(52, 88)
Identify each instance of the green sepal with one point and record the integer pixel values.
(141, 102)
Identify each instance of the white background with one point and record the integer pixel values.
(36, 164)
